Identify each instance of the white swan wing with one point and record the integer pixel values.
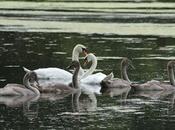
(93, 79)
(91, 88)
(53, 73)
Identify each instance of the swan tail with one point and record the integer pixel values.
(108, 77)
(111, 75)
(26, 70)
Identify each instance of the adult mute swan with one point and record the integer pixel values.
(157, 85)
(88, 77)
(58, 74)
(62, 88)
(124, 82)
(22, 90)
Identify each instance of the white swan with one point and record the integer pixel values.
(22, 90)
(60, 75)
(88, 77)
(63, 88)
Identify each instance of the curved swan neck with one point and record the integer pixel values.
(28, 85)
(92, 68)
(124, 74)
(75, 54)
(171, 75)
(75, 77)
(75, 57)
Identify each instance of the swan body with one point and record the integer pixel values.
(57, 73)
(152, 85)
(55, 88)
(14, 89)
(62, 88)
(21, 90)
(123, 92)
(153, 94)
(95, 88)
(157, 85)
(88, 77)
(107, 83)
(115, 83)
(93, 79)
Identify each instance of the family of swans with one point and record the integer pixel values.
(62, 81)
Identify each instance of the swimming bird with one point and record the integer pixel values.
(22, 90)
(61, 75)
(88, 77)
(62, 88)
(157, 85)
(124, 82)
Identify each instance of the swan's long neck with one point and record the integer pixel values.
(75, 101)
(27, 84)
(75, 54)
(75, 77)
(92, 68)
(171, 76)
(124, 74)
(75, 57)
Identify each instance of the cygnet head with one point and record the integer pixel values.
(171, 64)
(32, 78)
(74, 64)
(81, 49)
(105, 85)
(126, 62)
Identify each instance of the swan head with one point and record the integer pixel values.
(32, 78)
(105, 85)
(171, 64)
(89, 58)
(81, 49)
(127, 62)
(106, 82)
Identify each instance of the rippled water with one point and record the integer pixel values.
(43, 34)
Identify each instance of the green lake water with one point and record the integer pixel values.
(43, 34)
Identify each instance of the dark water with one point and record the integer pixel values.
(37, 35)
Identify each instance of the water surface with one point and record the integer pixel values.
(43, 34)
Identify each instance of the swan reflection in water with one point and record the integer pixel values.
(123, 92)
(17, 101)
(154, 95)
(31, 108)
(165, 96)
(22, 101)
(84, 101)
